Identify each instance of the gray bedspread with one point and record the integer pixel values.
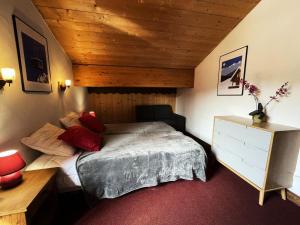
(129, 162)
(142, 127)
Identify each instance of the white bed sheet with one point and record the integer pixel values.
(67, 177)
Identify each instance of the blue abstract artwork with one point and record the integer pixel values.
(35, 60)
(232, 68)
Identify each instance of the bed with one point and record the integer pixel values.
(67, 178)
(134, 156)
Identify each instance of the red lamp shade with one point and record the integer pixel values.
(11, 163)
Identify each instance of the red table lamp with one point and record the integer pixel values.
(11, 163)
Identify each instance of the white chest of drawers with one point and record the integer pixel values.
(264, 155)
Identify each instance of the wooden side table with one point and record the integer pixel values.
(20, 204)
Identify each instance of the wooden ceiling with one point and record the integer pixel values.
(142, 33)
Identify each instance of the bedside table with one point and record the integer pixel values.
(19, 205)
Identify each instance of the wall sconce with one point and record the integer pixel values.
(8, 75)
(64, 86)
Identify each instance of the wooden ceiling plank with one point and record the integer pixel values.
(199, 20)
(138, 58)
(133, 47)
(134, 64)
(136, 61)
(155, 42)
(198, 34)
(80, 60)
(236, 10)
(136, 52)
(234, 3)
(131, 51)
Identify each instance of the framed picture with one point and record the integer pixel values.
(232, 69)
(33, 57)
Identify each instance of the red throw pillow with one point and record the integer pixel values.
(91, 122)
(83, 138)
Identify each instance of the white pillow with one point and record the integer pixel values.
(72, 119)
(45, 140)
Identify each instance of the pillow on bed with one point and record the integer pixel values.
(45, 140)
(91, 122)
(72, 119)
(83, 138)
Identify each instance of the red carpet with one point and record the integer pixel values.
(224, 200)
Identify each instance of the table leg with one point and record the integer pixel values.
(283, 194)
(261, 198)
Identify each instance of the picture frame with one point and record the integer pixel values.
(33, 57)
(232, 69)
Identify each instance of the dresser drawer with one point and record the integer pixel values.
(240, 165)
(229, 143)
(234, 130)
(251, 154)
(255, 156)
(251, 136)
(227, 157)
(258, 138)
(252, 173)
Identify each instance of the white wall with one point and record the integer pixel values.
(21, 113)
(272, 33)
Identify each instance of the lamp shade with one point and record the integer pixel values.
(68, 83)
(10, 161)
(92, 113)
(8, 73)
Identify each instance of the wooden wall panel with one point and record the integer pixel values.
(118, 76)
(120, 108)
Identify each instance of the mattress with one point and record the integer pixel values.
(67, 177)
(137, 128)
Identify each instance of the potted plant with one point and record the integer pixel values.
(259, 115)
